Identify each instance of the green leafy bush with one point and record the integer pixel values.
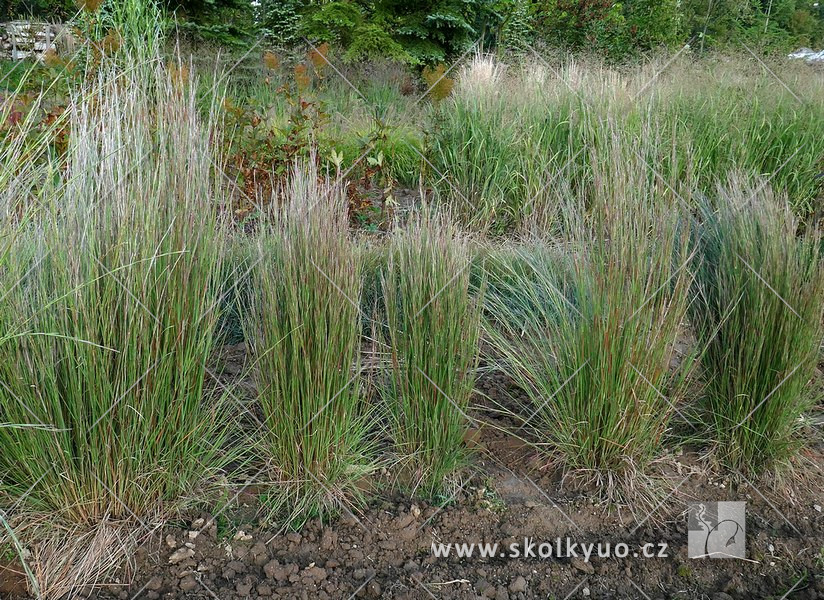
(44, 9)
(333, 22)
(778, 26)
(281, 21)
(370, 41)
(417, 33)
(231, 23)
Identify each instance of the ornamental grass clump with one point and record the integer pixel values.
(759, 286)
(303, 324)
(509, 141)
(108, 309)
(432, 333)
(110, 297)
(587, 327)
(497, 146)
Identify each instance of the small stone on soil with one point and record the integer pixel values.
(243, 588)
(154, 584)
(582, 566)
(181, 554)
(188, 583)
(518, 585)
(315, 573)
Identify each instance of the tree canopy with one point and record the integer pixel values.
(428, 31)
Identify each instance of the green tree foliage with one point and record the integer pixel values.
(228, 22)
(418, 32)
(46, 9)
(517, 30)
(611, 28)
(433, 31)
(772, 25)
(333, 22)
(652, 23)
(618, 29)
(281, 20)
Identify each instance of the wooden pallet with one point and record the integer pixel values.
(25, 39)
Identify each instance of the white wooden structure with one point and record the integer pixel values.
(27, 39)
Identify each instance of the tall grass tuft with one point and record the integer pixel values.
(587, 328)
(108, 311)
(433, 327)
(760, 290)
(498, 144)
(508, 139)
(304, 329)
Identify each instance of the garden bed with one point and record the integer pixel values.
(386, 550)
(278, 338)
